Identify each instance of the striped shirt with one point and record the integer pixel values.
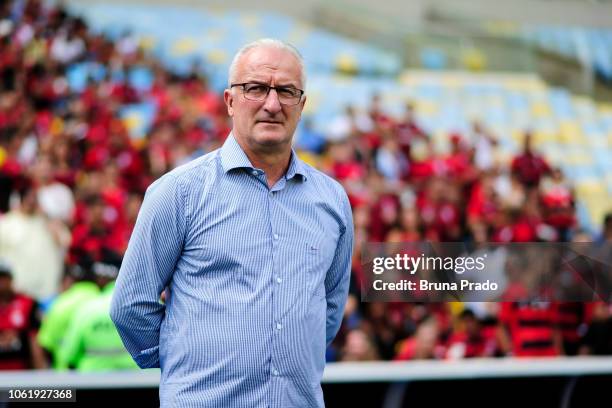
(257, 280)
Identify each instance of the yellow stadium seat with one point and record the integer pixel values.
(184, 46)
(215, 35)
(249, 21)
(217, 56)
(541, 137)
(313, 104)
(541, 109)
(426, 108)
(605, 108)
(309, 158)
(147, 43)
(346, 64)
(591, 188)
(132, 121)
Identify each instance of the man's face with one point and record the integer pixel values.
(265, 125)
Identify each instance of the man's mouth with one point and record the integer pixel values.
(275, 122)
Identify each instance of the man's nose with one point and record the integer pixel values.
(272, 103)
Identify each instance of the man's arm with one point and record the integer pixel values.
(339, 274)
(154, 248)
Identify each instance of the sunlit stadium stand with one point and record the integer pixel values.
(591, 47)
(180, 36)
(574, 133)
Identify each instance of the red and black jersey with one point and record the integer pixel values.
(18, 321)
(571, 317)
(461, 345)
(532, 327)
(530, 168)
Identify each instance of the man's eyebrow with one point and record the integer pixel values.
(259, 82)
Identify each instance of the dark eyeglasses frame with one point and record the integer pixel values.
(276, 88)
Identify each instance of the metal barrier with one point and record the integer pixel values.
(346, 372)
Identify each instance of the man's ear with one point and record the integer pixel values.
(302, 104)
(229, 101)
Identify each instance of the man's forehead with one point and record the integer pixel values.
(262, 62)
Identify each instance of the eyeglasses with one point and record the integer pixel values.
(287, 95)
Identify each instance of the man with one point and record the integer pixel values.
(254, 249)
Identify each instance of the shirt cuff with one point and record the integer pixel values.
(148, 358)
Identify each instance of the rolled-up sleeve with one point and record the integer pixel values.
(339, 274)
(154, 248)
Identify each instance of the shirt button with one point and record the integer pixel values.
(275, 372)
(278, 280)
(254, 172)
(279, 326)
(275, 236)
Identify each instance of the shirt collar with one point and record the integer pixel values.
(233, 157)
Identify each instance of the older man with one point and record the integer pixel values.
(254, 248)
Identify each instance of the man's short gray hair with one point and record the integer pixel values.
(266, 42)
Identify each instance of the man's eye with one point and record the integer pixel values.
(256, 88)
(288, 92)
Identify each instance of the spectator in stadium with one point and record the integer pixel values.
(424, 344)
(484, 147)
(19, 322)
(469, 341)
(598, 337)
(55, 323)
(91, 341)
(33, 246)
(55, 199)
(407, 130)
(557, 198)
(529, 329)
(390, 161)
(606, 234)
(358, 346)
(254, 248)
(529, 166)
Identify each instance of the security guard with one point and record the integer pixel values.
(92, 342)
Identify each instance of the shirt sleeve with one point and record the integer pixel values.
(339, 274)
(149, 262)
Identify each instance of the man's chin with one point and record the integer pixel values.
(271, 138)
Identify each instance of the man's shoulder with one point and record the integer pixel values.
(192, 172)
(322, 180)
(196, 167)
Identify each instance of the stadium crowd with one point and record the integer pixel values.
(72, 181)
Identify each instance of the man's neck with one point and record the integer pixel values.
(274, 165)
(273, 162)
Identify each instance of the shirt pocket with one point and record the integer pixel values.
(312, 259)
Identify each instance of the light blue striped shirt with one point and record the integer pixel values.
(257, 277)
